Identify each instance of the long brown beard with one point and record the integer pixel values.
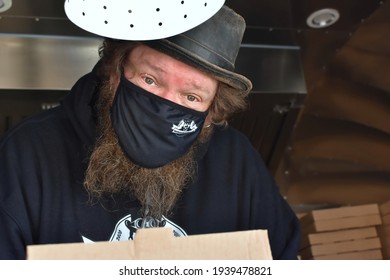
(110, 171)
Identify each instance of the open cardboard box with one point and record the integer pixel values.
(159, 243)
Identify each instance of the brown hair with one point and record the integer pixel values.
(113, 54)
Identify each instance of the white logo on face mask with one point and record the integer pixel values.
(184, 127)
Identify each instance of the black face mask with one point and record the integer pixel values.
(153, 131)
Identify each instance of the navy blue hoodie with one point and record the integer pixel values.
(42, 198)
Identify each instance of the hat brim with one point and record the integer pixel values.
(234, 80)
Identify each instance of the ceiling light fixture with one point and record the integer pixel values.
(323, 18)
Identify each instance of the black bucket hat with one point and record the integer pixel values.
(211, 47)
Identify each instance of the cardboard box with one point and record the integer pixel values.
(338, 236)
(361, 255)
(342, 212)
(350, 232)
(342, 223)
(341, 218)
(340, 247)
(159, 243)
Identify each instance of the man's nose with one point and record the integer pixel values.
(169, 95)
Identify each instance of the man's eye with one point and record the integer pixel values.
(149, 80)
(191, 98)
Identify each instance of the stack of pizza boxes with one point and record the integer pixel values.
(343, 233)
(384, 229)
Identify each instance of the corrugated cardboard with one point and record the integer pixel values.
(361, 255)
(343, 223)
(342, 212)
(341, 247)
(349, 232)
(341, 218)
(159, 243)
(337, 236)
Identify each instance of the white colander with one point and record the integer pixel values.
(140, 19)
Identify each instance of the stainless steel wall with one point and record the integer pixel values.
(56, 62)
(45, 62)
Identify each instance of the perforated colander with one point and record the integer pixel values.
(140, 19)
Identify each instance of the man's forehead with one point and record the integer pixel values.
(151, 57)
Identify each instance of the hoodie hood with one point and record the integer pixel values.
(78, 106)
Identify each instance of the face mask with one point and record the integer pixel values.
(153, 131)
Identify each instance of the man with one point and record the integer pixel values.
(142, 141)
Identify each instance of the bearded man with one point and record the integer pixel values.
(143, 141)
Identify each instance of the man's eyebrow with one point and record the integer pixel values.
(153, 66)
(199, 86)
